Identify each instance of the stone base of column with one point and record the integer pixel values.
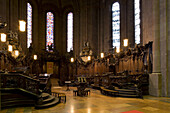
(155, 84)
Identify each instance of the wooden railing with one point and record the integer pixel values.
(14, 80)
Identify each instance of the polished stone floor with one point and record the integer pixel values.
(98, 103)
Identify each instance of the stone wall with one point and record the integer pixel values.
(11, 12)
(92, 22)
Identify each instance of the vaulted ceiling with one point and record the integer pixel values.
(59, 3)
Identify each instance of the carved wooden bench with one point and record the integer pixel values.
(87, 91)
(75, 92)
(60, 96)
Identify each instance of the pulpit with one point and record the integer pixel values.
(81, 87)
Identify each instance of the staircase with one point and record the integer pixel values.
(46, 101)
(13, 97)
(17, 97)
(130, 92)
(15, 101)
(19, 90)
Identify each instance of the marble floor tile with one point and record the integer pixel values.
(98, 103)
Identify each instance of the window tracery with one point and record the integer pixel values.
(116, 25)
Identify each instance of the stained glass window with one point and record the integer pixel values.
(50, 31)
(69, 31)
(137, 21)
(116, 25)
(29, 25)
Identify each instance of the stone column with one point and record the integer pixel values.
(130, 23)
(164, 45)
(155, 77)
(168, 45)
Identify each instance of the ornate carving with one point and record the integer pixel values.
(87, 51)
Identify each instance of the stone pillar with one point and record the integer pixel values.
(155, 77)
(163, 45)
(130, 23)
(168, 47)
(76, 33)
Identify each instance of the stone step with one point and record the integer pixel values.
(49, 99)
(45, 95)
(5, 94)
(128, 93)
(121, 92)
(17, 102)
(42, 106)
(125, 95)
(126, 90)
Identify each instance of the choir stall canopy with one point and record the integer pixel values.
(86, 55)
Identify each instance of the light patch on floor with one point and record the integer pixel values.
(20, 110)
(57, 87)
(150, 108)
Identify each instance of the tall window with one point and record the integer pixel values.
(116, 25)
(69, 31)
(137, 21)
(29, 25)
(50, 31)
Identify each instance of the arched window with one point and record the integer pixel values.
(69, 31)
(137, 21)
(116, 25)
(50, 31)
(29, 25)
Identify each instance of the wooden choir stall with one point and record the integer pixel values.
(118, 74)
